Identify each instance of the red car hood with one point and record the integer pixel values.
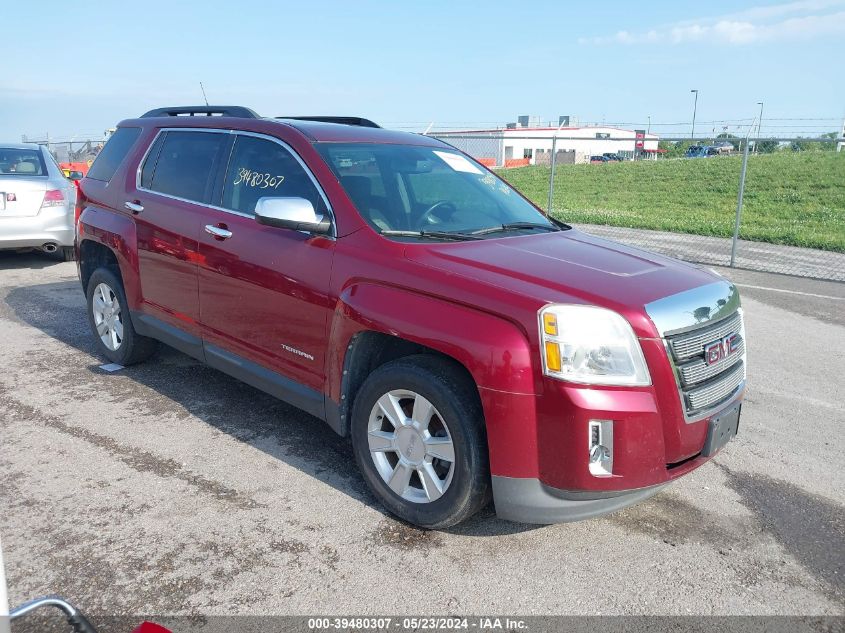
(569, 266)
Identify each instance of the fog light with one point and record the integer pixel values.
(598, 453)
(601, 447)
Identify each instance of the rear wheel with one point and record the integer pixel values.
(419, 440)
(111, 323)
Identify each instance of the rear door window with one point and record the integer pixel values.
(112, 155)
(261, 168)
(186, 165)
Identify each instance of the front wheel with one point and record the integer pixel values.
(419, 439)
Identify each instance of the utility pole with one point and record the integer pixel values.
(759, 125)
(694, 109)
(648, 131)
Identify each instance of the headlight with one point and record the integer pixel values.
(590, 345)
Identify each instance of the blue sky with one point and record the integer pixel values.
(82, 66)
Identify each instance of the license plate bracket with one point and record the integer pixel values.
(723, 427)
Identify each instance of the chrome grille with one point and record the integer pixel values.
(704, 386)
(715, 391)
(692, 343)
(697, 370)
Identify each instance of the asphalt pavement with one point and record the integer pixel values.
(170, 488)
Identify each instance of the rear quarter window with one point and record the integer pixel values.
(113, 153)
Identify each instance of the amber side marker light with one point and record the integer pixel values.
(553, 356)
(550, 324)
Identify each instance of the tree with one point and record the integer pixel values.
(674, 149)
(813, 145)
(767, 146)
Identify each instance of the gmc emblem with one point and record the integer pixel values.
(724, 347)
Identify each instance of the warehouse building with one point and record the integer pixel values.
(526, 142)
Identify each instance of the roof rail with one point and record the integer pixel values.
(239, 112)
(343, 120)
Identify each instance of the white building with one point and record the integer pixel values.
(523, 145)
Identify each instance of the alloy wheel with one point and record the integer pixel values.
(108, 321)
(411, 446)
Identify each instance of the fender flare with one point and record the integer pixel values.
(117, 233)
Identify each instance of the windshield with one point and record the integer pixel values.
(21, 162)
(409, 188)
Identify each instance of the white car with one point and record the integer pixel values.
(37, 202)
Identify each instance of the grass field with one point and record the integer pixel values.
(790, 198)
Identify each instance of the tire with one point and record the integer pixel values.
(66, 254)
(125, 347)
(462, 486)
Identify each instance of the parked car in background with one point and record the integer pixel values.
(599, 159)
(37, 201)
(703, 151)
(615, 158)
(471, 346)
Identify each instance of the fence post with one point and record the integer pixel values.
(739, 202)
(552, 174)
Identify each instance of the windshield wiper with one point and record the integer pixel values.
(516, 226)
(437, 235)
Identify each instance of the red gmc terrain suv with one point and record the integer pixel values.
(384, 282)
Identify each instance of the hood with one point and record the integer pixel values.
(568, 267)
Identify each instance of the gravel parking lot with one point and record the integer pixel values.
(170, 488)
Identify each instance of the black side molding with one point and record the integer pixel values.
(292, 392)
(253, 374)
(147, 325)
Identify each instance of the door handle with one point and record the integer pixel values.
(218, 232)
(134, 207)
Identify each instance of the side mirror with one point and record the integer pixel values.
(291, 213)
(75, 175)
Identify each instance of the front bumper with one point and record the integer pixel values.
(51, 225)
(640, 469)
(527, 500)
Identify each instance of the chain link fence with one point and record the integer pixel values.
(83, 150)
(774, 205)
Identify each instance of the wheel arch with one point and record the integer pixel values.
(94, 255)
(366, 351)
